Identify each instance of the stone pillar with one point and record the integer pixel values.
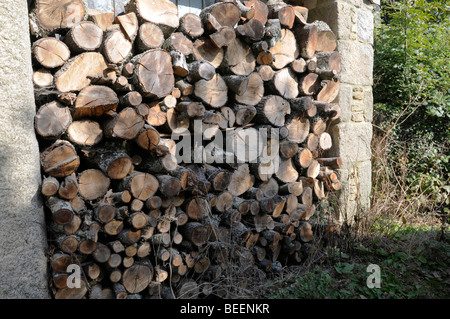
(353, 23)
(23, 264)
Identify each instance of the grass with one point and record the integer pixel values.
(414, 263)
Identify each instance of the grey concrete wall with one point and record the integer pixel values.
(23, 264)
(353, 23)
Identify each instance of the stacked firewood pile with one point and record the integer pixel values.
(113, 91)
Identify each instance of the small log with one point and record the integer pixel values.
(272, 110)
(68, 188)
(179, 65)
(92, 184)
(191, 25)
(85, 133)
(50, 52)
(153, 73)
(60, 159)
(62, 212)
(52, 120)
(150, 36)
(42, 78)
(84, 36)
(141, 185)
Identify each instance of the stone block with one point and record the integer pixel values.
(351, 141)
(365, 26)
(357, 62)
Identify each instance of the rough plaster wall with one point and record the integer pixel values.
(353, 23)
(23, 264)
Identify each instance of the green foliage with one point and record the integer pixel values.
(412, 91)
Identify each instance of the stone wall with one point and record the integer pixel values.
(23, 263)
(353, 23)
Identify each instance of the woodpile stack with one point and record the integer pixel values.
(112, 91)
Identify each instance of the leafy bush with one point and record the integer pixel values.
(412, 92)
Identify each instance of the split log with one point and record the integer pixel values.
(116, 47)
(95, 100)
(304, 158)
(101, 18)
(141, 185)
(238, 59)
(304, 106)
(195, 232)
(213, 92)
(309, 84)
(244, 114)
(266, 72)
(179, 65)
(204, 50)
(252, 30)
(201, 70)
(129, 25)
(284, 83)
(241, 180)
(42, 78)
(161, 12)
(329, 92)
(253, 92)
(68, 188)
(261, 10)
(285, 50)
(223, 36)
(286, 172)
(326, 39)
(126, 124)
(307, 38)
(74, 75)
(84, 36)
(283, 12)
(220, 14)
